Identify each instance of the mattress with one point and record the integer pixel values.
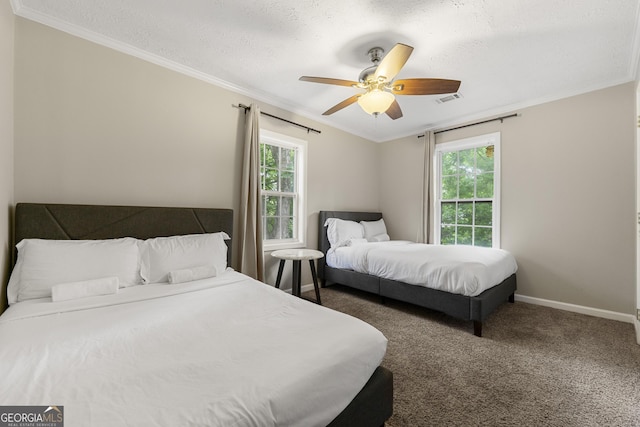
(465, 270)
(224, 351)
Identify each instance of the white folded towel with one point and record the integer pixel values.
(85, 288)
(384, 237)
(355, 242)
(190, 274)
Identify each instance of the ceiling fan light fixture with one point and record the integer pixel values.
(376, 101)
(379, 84)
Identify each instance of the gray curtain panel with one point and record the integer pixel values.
(251, 256)
(426, 223)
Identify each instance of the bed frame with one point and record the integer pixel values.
(476, 309)
(371, 407)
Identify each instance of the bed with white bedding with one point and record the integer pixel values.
(216, 349)
(463, 281)
(465, 270)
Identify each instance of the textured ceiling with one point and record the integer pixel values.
(507, 53)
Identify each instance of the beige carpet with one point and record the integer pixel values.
(534, 366)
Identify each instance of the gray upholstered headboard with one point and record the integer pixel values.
(323, 241)
(74, 222)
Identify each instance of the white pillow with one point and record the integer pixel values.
(340, 232)
(373, 228)
(44, 263)
(162, 255)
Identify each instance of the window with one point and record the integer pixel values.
(467, 202)
(282, 177)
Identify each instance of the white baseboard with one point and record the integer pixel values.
(306, 288)
(606, 314)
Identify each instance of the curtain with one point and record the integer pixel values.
(251, 254)
(426, 220)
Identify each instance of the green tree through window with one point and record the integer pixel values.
(282, 180)
(467, 202)
(278, 178)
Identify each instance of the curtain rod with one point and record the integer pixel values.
(473, 124)
(246, 107)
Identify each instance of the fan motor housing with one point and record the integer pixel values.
(375, 55)
(367, 74)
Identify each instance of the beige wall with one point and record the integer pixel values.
(401, 175)
(568, 196)
(7, 22)
(97, 126)
(637, 145)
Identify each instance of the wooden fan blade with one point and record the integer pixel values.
(394, 110)
(341, 105)
(393, 62)
(328, 81)
(424, 86)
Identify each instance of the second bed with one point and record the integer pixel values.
(468, 283)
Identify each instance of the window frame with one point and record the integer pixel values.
(300, 204)
(465, 144)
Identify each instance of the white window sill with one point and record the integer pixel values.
(269, 247)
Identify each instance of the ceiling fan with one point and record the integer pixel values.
(379, 84)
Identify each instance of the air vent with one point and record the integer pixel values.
(449, 98)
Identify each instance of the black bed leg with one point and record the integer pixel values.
(477, 328)
(512, 298)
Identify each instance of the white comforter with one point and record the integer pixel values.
(465, 270)
(227, 351)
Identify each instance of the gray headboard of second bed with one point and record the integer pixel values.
(323, 241)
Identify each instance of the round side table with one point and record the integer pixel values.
(297, 256)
